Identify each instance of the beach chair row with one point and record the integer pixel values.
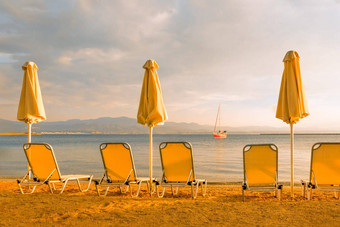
(119, 170)
(260, 164)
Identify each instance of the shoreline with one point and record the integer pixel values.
(218, 183)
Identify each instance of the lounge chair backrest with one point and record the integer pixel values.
(325, 163)
(41, 159)
(118, 161)
(260, 164)
(177, 161)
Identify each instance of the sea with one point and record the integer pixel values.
(217, 160)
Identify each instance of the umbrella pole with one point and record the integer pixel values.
(29, 132)
(150, 159)
(29, 135)
(291, 161)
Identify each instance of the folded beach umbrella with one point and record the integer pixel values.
(292, 103)
(151, 111)
(31, 108)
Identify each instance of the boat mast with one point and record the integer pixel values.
(217, 117)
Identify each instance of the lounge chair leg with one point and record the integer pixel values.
(63, 187)
(126, 189)
(154, 188)
(176, 191)
(196, 192)
(203, 187)
(172, 191)
(303, 190)
(280, 194)
(204, 192)
(147, 187)
(192, 190)
(309, 193)
(78, 182)
(106, 190)
(139, 185)
(137, 192)
(160, 195)
(88, 185)
(30, 192)
(50, 187)
(97, 189)
(131, 190)
(22, 192)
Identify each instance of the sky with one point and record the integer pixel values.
(90, 56)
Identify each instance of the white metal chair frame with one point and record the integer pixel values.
(106, 182)
(307, 187)
(277, 188)
(195, 183)
(64, 179)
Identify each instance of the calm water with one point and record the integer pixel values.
(215, 159)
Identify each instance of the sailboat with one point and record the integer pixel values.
(218, 133)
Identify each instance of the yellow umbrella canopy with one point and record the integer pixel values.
(31, 108)
(292, 103)
(151, 109)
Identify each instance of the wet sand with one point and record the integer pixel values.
(222, 205)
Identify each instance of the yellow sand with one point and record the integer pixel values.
(222, 206)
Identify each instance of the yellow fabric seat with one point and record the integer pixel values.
(44, 167)
(178, 168)
(119, 168)
(324, 169)
(260, 164)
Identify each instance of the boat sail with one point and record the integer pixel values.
(218, 133)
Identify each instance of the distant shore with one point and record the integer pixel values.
(203, 133)
(17, 133)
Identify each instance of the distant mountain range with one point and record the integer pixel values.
(124, 125)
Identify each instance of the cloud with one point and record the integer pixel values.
(90, 55)
(6, 58)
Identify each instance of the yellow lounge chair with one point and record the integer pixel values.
(119, 168)
(324, 169)
(260, 164)
(178, 168)
(44, 167)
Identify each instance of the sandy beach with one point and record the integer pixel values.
(222, 206)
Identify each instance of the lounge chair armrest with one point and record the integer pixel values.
(307, 184)
(244, 185)
(200, 181)
(310, 185)
(96, 181)
(303, 182)
(156, 181)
